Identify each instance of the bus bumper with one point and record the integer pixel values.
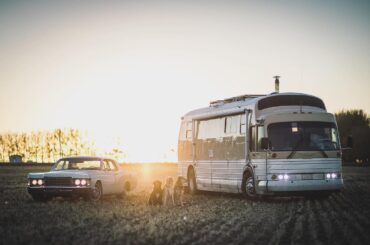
(299, 185)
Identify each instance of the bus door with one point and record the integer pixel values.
(257, 154)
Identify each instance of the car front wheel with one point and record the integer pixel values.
(96, 192)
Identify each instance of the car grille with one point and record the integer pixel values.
(61, 181)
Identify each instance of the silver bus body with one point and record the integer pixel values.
(218, 144)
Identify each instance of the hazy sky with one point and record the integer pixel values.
(131, 69)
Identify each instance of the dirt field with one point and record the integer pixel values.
(208, 218)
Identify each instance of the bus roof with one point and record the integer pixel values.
(238, 104)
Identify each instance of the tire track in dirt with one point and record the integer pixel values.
(355, 208)
(322, 221)
(273, 214)
(297, 236)
(351, 224)
(212, 220)
(280, 236)
(341, 234)
(314, 226)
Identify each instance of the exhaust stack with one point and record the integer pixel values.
(277, 84)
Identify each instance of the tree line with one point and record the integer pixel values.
(45, 146)
(356, 124)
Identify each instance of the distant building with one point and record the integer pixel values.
(15, 159)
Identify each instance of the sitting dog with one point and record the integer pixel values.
(156, 197)
(168, 191)
(179, 190)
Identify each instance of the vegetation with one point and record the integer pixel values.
(355, 123)
(207, 218)
(44, 146)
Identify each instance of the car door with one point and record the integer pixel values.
(118, 178)
(109, 179)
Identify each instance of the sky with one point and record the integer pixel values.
(126, 71)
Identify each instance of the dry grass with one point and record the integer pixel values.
(208, 218)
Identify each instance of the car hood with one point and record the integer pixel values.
(62, 173)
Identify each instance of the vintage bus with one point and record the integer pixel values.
(261, 145)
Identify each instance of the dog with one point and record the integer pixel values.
(168, 192)
(179, 190)
(156, 197)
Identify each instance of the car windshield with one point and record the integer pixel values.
(303, 136)
(78, 164)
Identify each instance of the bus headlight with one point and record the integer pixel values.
(333, 175)
(280, 177)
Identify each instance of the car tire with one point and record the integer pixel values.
(96, 193)
(192, 183)
(248, 188)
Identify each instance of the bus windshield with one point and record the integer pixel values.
(303, 136)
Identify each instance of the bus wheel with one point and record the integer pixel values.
(192, 183)
(248, 187)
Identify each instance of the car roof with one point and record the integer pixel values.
(87, 158)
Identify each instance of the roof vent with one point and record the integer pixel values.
(234, 99)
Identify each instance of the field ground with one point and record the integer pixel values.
(207, 218)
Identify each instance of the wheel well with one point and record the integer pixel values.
(248, 172)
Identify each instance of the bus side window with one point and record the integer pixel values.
(242, 124)
(182, 135)
(189, 131)
(252, 138)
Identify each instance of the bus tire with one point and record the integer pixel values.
(192, 182)
(248, 188)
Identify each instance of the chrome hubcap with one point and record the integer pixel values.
(250, 186)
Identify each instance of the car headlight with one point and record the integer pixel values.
(83, 182)
(39, 182)
(34, 182)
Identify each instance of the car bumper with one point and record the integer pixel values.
(300, 185)
(59, 191)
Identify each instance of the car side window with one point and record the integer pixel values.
(112, 165)
(106, 165)
(60, 165)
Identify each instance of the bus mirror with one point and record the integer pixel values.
(264, 143)
(349, 142)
